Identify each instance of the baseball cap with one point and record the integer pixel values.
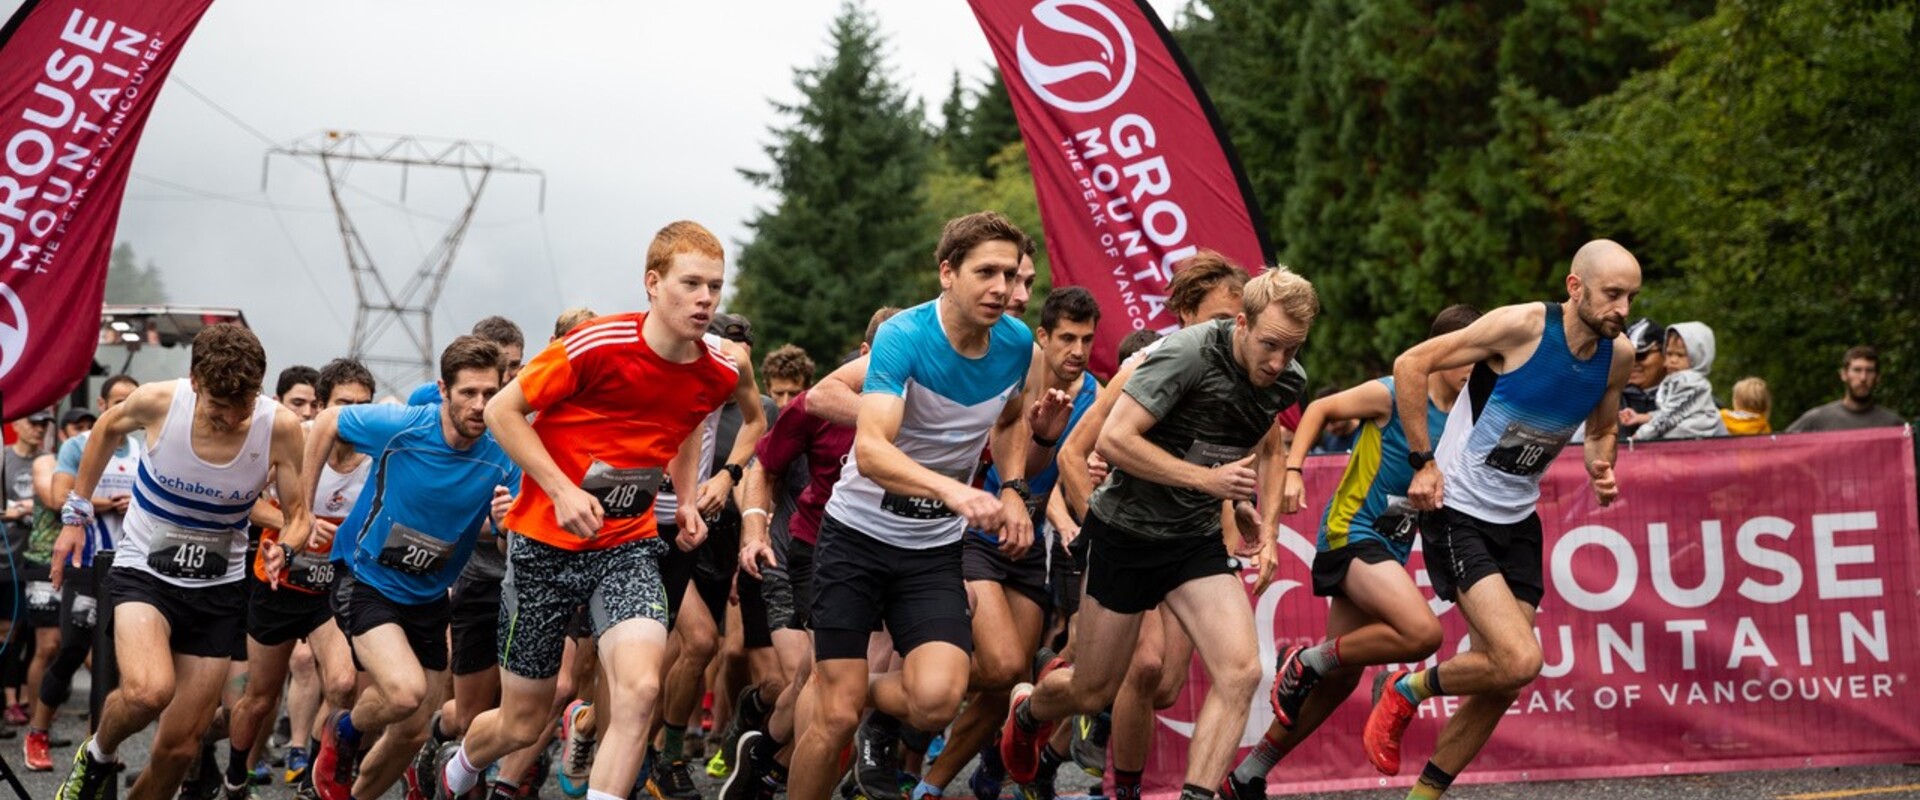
(732, 327)
(43, 415)
(74, 415)
(1646, 335)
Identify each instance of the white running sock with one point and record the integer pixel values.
(461, 773)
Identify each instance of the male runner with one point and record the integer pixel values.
(1540, 369)
(945, 377)
(1206, 287)
(1010, 598)
(79, 604)
(1179, 441)
(1377, 615)
(298, 390)
(297, 610)
(617, 400)
(176, 582)
(438, 478)
(785, 563)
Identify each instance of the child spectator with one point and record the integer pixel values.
(1752, 403)
(1687, 410)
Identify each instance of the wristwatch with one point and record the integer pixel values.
(734, 471)
(1018, 486)
(1419, 458)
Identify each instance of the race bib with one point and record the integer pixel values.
(1398, 522)
(1524, 450)
(310, 571)
(912, 507)
(41, 597)
(1210, 455)
(188, 553)
(85, 611)
(413, 552)
(623, 493)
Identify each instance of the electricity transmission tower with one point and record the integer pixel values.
(383, 314)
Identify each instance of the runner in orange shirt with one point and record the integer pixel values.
(617, 399)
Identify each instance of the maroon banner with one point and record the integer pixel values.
(77, 81)
(1131, 167)
(1747, 604)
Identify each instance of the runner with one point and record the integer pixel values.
(298, 390)
(889, 546)
(297, 610)
(1010, 599)
(1206, 287)
(1540, 370)
(176, 584)
(1179, 442)
(438, 479)
(799, 438)
(698, 582)
(617, 400)
(79, 605)
(1377, 615)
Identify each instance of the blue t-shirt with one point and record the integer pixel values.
(1042, 483)
(952, 402)
(416, 521)
(425, 394)
(115, 481)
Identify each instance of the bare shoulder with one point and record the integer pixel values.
(149, 402)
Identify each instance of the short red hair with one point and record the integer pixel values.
(684, 236)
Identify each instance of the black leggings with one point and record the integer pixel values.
(76, 637)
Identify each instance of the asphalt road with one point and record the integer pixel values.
(1869, 783)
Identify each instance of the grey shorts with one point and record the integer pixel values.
(545, 584)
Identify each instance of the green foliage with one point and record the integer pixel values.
(1399, 148)
(843, 237)
(128, 283)
(1769, 169)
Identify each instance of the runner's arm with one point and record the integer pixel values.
(1059, 518)
(1488, 338)
(43, 481)
(1123, 443)
(1076, 481)
(507, 418)
(287, 451)
(836, 398)
(146, 406)
(882, 461)
(1009, 441)
(753, 425)
(1602, 426)
(320, 441)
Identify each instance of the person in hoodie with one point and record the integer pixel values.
(1686, 408)
(1752, 405)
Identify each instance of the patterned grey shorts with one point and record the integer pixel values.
(544, 585)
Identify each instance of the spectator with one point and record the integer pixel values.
(1686, 409)
(1649, 368)
(1860, 371)
(1752, 405)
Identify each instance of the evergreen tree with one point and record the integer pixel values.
(1768, 171)
(1399, 146)
(847, 232)
(128, 283)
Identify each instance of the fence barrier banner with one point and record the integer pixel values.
(77, 81)
(1131, 167)
(1747, 603)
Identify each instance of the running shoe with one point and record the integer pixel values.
(750, 713)
(17, 714)
(297, 764)
(1020, 748)
(38, 751)
(990, 776)
(1293, 680)
(90, 779)
(1042, 785)
(419, 775)
(674, 781)
(1387, 723)
(576, 750)
(261, 775)
(245, 791)
(876, 765)
(1233, 789)
(1088, 745)
(334, 771)
(752, 776)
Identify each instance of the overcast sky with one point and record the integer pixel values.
(639, 113)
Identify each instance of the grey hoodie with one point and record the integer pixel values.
(1687, 410)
